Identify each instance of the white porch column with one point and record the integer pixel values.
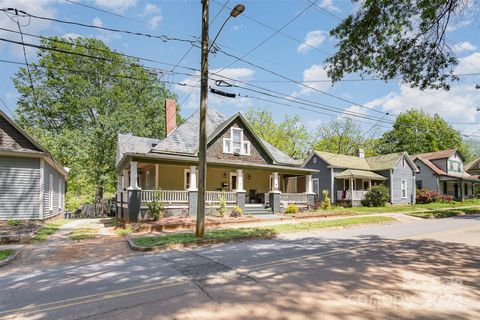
(240, 180)
(370, 184)
(193, 179)
(309, 184)
(275, 182)
(351, 188)
(125, 179)
(156, 176)
(133, 176)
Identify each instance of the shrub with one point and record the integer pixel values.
(377, 196)
(447, 198)
(155, 208)
(292, 208)
(427, 196)
(326, 203)
(13, 223)
(236, 212)
(223, 205)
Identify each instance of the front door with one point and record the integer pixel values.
(233, 181)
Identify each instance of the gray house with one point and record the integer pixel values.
(348, 178)
(32, 182)
(443, 171)
(243, 169)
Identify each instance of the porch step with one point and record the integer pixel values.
(256, 209)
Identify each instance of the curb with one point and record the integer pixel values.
(194, 244)
(11, 257)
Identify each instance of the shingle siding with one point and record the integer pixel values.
(58, 184)
(19, 188)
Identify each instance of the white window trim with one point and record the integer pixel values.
(316, 180)
(50, 192)
(401, 189)
(243, 143)
(185, 178)
(229, 142)
(315, 159)
(232, 129)
(60, 193)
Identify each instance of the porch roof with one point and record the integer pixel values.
(361, 174)
(189, 160)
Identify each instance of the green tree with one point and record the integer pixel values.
(289, 136)
(415, 131)
(344, 136)
(76, 105)
(403, 38)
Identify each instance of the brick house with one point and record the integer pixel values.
(243, 168)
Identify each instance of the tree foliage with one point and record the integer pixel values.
(390, 39)
(415, 131)
(289, 136)
(79, 104)
(344, 136)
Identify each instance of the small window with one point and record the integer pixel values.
(246, 148)
(365, 185)
(186, 179)
(403, 162)
(404, 189)
(237, 140)
(315, 159)
(227, 145)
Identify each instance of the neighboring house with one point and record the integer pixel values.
(32, 182)
(243, 168)
(443, 171)
(473, 167)
(348, 178)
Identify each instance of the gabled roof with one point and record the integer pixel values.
(184, 139)
(471, 164)
(359, 174)
(377, 163)
(42, 152)
(440, 172)
(438, 154)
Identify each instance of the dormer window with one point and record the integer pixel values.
(235, 144)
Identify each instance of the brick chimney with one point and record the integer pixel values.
(170, 115)
(360, 153)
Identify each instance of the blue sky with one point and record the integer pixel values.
(297, 52)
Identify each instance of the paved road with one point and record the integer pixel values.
(414, 270)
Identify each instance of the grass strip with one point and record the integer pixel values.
(4, 254)
(82, 233)
(444, 213)
(176, 238)
(48, 229)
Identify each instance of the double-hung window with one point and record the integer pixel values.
(235, 144)
(237, 140)
(50, 192)
(404, 188)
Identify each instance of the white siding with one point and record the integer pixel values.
(19, 188)
(56, 177)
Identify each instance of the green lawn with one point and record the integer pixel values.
(403, 208)
(48, 229)
(445, 213)
(4, 254)
(175, 238)
(82, 233)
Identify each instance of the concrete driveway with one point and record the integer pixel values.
(425, 269)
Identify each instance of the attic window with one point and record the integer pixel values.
(315, 159)
(235, 144)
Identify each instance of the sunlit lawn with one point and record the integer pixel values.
(4, 254)
(434, 214)
(175, 238)
(82, 233)
(48, 229)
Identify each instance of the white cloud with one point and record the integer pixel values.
(153, 14)
(328, 4)
(97, 22)
(237, 27)
(149, 9)
(118, 6)
(469, 64)
(464, 46)
(155, 21)
(456, 105)
(234, 73)
(104, 35)
(315, 73)
(42, 8)
(458, 25)
(312, 39)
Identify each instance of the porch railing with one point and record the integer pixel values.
(166, 196)
(355, 195)
(214, 196)
(297, 198)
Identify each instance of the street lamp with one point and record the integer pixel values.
(202, 144)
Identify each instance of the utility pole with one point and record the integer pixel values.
(202, 147)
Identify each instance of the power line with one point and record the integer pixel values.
(164, 38)
(276, 31)
(6, 106)
(328, 13)
(280, 32)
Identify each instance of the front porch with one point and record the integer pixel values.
(353, 185)
(459, 189)
(254, 189)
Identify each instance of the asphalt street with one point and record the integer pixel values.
(428, 269)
